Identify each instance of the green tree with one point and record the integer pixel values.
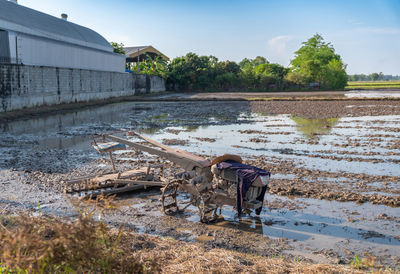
(271, 74)
(245, 62)
(152, 66)
(335, 76)
(227, 66)
(259, 60)
(227, 81)
(316, 61)
(252, 78)
(118, 48)
(374, 76)
(192, 72)
(200, 73)
(248, 76)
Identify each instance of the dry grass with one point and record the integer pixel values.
(176, 257)
(44, 244)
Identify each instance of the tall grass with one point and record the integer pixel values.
(43, 245)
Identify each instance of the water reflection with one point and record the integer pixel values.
(237, 131)
(314, 127)
(309, 224)
(373, 94)
(191, 128)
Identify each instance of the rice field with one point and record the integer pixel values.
(373, 85)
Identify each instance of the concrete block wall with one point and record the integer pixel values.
(34, 86)
(157, 84)
(141, 84)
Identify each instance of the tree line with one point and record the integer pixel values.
(373, 77)
(316, 65)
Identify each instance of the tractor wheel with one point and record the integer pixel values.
(168, 197)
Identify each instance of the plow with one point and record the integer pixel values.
(210, 184)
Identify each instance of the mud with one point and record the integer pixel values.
(328, 109)
(175, 142)
(205, 139)
(334, 191)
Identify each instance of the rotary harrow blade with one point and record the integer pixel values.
(111, 183)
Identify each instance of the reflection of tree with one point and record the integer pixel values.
(192, 128)
(313, 127)
(189, 114)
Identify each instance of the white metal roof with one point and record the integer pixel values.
(18, 18)
(139, 50)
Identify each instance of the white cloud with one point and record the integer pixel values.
(277, 49)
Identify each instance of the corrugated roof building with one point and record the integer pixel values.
(31, 37)
(136, 54)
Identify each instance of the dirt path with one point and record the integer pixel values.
(252, 95)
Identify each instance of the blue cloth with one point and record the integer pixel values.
(108, 147)
(246, 176)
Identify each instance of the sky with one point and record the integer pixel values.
(365, 33)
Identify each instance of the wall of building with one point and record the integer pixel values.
(4, 47)
(38, 39)
(34, 50)
(34, 86)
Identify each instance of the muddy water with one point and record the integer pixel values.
(230, 126)
(373, 94)
(305, 141)
(69, 135)
(355, 155)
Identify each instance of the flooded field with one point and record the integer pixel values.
(334, 191)
(373, 94)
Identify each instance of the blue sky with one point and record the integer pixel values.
(366, 33)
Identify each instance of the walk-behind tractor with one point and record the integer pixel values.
(210, 184)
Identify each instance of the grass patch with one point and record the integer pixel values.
(363, 263)
(373, 85)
